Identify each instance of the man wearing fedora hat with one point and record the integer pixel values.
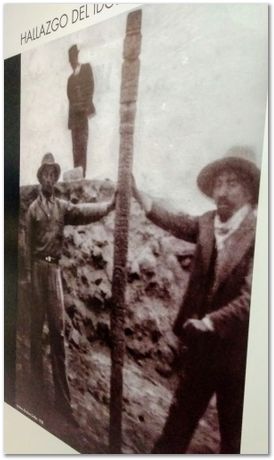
(80, 89)
(46, 218)
(212, 323)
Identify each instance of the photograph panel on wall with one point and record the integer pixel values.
(133, 151)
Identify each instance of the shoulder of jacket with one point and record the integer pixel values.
(86, 68)
(33, 204)
(248, 226)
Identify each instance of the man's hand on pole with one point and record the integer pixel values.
(144, 200)
(112, 203)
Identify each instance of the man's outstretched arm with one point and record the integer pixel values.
(180, 225)
(86, 213)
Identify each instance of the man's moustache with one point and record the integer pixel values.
(223, 203)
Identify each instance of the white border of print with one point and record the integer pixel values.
(31, 438)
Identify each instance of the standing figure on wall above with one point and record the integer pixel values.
(80, 89)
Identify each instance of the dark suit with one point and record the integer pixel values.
(219, 287)
(80, 90)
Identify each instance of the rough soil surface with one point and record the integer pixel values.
(158, 270)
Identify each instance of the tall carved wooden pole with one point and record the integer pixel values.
(129, 90)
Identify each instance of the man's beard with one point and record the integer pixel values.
(224, 209)
(47, 190)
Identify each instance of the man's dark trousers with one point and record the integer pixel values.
(48, 300)
(201, 377)
(79, 135)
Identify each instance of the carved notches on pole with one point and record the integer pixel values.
(128, 97)
(131, 65)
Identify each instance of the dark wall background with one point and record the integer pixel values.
(12, 76)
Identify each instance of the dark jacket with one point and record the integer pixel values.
(45, 231)
(225, 296)
(80, 89)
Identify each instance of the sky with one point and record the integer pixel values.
(202, 89)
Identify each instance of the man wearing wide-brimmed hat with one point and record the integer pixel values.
(212, 322)
(46, 218)
(80, 89)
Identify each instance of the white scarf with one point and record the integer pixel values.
(222, 230)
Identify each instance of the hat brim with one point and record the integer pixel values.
(207, 176)
(56, 166)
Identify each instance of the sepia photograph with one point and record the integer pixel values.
(141, 143)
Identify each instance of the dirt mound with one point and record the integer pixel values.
(158, 270)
